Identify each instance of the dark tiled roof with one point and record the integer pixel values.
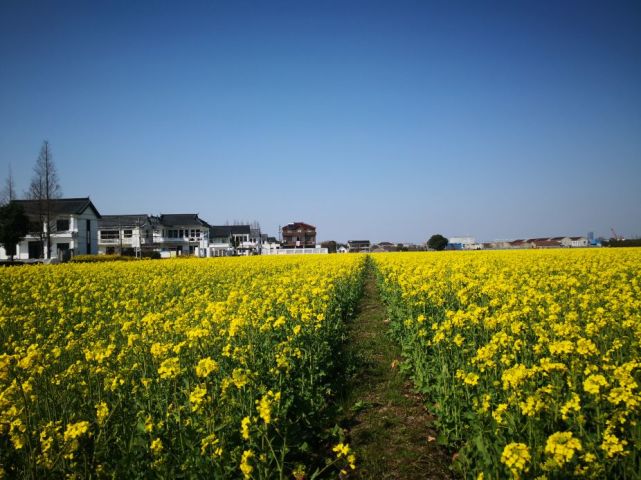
(59, 206)
(546, 243)
(222, 231)
(219, 231)
(240, 229)
(297, 225)
(118, 221)
(363, 242)
(181, 219)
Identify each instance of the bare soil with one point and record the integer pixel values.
(385, 421)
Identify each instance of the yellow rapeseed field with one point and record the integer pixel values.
(531, 359)
(192, 368)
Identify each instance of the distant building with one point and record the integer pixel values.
(296, 251)
(226, 240)
(384, 247)
(330, 245)
(561, 241)
(180, 234)
(299, 235)
(543, 243)
(578, 242)
(549, 242)
(520, 244)
(125, 234)
(73, 229)
(270, 246)
(463, 243)
(358, 246)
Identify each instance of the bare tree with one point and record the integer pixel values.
(9, 190)
(43, 189)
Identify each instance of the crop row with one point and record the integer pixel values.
(531, 360)
(183, 368)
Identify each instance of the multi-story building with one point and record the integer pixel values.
(180, 234)
(125, 234)
(356, 246)
(72, 228)
(226, 240)
(299, 235)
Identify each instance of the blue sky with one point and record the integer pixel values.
(378, 120)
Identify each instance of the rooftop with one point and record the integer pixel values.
(59, 206)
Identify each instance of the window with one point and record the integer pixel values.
(62, 225)
(127, 233)
(88, 225)
(109, 235)
(180, 233)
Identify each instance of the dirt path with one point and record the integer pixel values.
(387, 425)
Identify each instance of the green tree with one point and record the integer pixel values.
(437, 242)
(330, 245)
(14, 225)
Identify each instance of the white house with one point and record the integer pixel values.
(226, 240)
(125, 234)
(73, 229)
(578, 242)
(180, 234)
(269, 246)
(464, 243)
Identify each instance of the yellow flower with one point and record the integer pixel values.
(471, 379)
(244, 427)
(170, 368)
(342, 450)
(156, 447)
(102, 412)
(205, 367)
(264, 405)
(497, 414)
(76, 430)
(239, 377)
(531, 406)
(516, 456)
(593, 384)
(611, 445)
(574, 404)
(562, 446)
(513, 377)
(196, 397)
(210, 445)
(245, 466)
